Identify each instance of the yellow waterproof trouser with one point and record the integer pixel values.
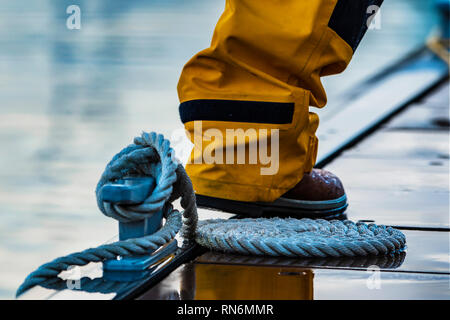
(252, 88)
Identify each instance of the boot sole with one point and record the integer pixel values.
(283, 207)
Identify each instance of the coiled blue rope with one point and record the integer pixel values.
(291, 237)
(151, 155)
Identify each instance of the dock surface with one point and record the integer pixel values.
(71, 99)
(398, 176)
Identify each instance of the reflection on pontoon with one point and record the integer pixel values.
(234, 277)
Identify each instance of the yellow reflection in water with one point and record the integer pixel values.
(230, 282)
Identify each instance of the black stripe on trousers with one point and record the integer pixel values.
(237, 111)
(349, 19)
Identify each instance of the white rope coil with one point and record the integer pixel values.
(298, 238)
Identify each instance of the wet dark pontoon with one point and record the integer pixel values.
(394, 160)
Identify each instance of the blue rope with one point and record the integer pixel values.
(387, 261)
(151, 155)
(86, 284)
(291, 237)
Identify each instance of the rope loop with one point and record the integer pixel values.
(149, 156)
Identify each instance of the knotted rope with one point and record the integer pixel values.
(151, 155)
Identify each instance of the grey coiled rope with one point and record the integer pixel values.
(151, 155)
(298, 238)
(387, 261)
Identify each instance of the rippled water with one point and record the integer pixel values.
(70, 99)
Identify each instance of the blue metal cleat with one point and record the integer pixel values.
(132, 191)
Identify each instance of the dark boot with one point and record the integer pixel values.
(319, 194)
